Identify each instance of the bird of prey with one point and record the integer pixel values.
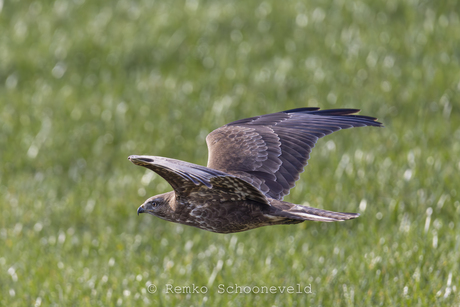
(252, 165)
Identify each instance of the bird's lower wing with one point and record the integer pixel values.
(187, 178)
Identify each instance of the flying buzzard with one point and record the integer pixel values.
(252, 165)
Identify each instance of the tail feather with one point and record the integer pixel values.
(304, 213)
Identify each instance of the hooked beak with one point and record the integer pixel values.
(140, 210)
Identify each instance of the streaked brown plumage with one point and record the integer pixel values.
(252, 165)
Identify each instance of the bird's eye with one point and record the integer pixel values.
(154, 204)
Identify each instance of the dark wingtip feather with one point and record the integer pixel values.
(368, 120)
(298, 110)
(346, 113)
(336, 112)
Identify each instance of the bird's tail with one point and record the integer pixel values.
(304, 213)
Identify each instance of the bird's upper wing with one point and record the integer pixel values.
(270, 151)
(186, 178)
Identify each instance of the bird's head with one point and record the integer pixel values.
(157, 205)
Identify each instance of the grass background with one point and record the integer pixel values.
(85, 84)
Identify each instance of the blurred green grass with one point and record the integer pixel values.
(85, 84)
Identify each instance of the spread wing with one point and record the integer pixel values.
(270, 151)
(187, 178)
